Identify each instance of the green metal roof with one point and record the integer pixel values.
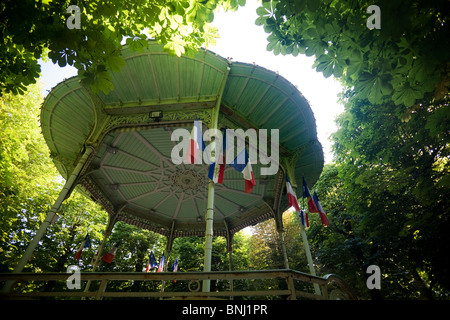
(131, 169)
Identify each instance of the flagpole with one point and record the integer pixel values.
(209, 216)
(309, 257)
(208, 235)
(95, 261)
(308, 251)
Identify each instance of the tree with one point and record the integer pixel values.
(388, 194)
(397, 172)
(28, 177)
(32, 29)
(266, 251)
(134, 249)
(387, 201)
(190, 253)
(401, 62)
(342, 248)
(29, 185)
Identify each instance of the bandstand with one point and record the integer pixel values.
(117, 147)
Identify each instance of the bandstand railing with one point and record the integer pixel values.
(291, 285)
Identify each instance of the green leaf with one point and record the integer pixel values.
(407, 94)
(262, 11)
(102, 82)
(176, 46)
(374, 87)
(260, 21)
(330, 64)
(313, 5)
(314, 47)
(355, 62)
(115, 63)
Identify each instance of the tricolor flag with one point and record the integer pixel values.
(304, 218)
(174, 267)
(161, 264)
(110, 255)
(85, 244)
(151, 262)
(242, 164)
(292, 198)
(196, 144)
(322, 214)
(217, 169)
(306, 194)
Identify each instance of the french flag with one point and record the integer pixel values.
(323, 216)
(304, 218)
(196, 144)
(110, 255)
(161, 264)
(242, 164)
(85, 244)
(292, 199)
(217, 169)
(216, 172)
(306, 194)
(151, 262)
(174, 267)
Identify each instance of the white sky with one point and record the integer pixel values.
(244, 41)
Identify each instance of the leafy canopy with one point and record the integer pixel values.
(402, 61)
(33, 28)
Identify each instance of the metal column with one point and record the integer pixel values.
(209, 217)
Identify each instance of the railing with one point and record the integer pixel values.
(291, 285)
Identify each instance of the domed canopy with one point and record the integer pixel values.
(131, 173)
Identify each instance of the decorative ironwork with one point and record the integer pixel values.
(188, 180)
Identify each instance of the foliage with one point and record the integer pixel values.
(401, 62)
(387, 200)
(29, 185)
(387, 195)
(32, 29)
(25, 168)
(398, 175)
(134, 249)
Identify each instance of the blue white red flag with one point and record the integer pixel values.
(292, 198)
(196, 144)
(111, 254)
(217, 169)
(304, 218)
(242, 164)
(323, 216)
(85, 244)
(306, 194)
(174, 267)
(151, 262)
(216, 172)
(161, 264)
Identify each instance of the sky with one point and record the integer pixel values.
(244, 41)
